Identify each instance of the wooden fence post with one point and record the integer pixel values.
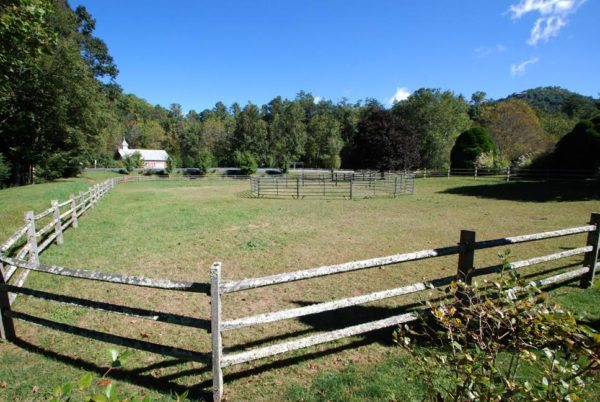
(508, 173)
(215, 327)
(7, 328)
(425, 174)
(591, 257)
(475, 172)
(351, 182)
(258, 186)
(466, 257)
(58, 231)
(448, 173)
(298, 188)
(34, 257)
(82, 200)
(74, 212)
(395, 186)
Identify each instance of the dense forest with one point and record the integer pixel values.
(61, 109)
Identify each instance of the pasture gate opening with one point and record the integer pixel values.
(13, 257)
(335, 185)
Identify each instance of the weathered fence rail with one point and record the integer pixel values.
(466, 271)
(332, 186)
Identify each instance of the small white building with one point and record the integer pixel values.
(153, 158)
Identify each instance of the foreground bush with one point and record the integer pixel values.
(500, 341)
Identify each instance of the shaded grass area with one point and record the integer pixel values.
(534, 191)
(175, 230)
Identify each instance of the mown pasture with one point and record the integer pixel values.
(175, 230)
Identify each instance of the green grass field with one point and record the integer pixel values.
(176, 230)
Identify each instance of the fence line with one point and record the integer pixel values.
(466, 270)
(508, 174)
(27, 242)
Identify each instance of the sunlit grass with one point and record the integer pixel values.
(176, 230)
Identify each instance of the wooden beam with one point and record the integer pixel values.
(591, 257)
(332, 305)
(236, 286)
(107, 277)
(255, 354)
(58, 230)
(533, 237)
(217, 341)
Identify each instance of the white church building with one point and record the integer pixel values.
(153, 158)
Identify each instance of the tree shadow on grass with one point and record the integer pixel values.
(533, 191)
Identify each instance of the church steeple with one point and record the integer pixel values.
(124, 145)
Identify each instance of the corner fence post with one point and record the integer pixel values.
(34, 257)
(466, 256)
(215, 327)
(591, 257)
(74, 212)
(7, 327)
(57, 223)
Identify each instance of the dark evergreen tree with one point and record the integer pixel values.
(469, 145)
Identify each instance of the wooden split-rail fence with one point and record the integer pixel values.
(26, 259)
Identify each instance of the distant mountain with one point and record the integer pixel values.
(559, 100)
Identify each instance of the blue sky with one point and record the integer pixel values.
(196, 53)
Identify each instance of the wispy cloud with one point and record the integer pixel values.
(400, 95)
(553, 16)
(519, 69)
(317, 99)
(484, 51)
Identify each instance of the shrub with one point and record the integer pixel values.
(204, 161)
(245, 161)
(579, 149)
(469, 146)
(488, 338)
(133, 161)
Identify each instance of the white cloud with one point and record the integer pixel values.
(400, 95)
(317, 99)
(552, 16)
(484, 51)
(519, 69)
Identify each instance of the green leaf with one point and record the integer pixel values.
(67, 388)
(109, 390)
(57, 391)
(124, 356)
(100, 398)
(85, 381)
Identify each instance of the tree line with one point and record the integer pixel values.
(61, 110)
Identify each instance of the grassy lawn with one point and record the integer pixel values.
(175, 230)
